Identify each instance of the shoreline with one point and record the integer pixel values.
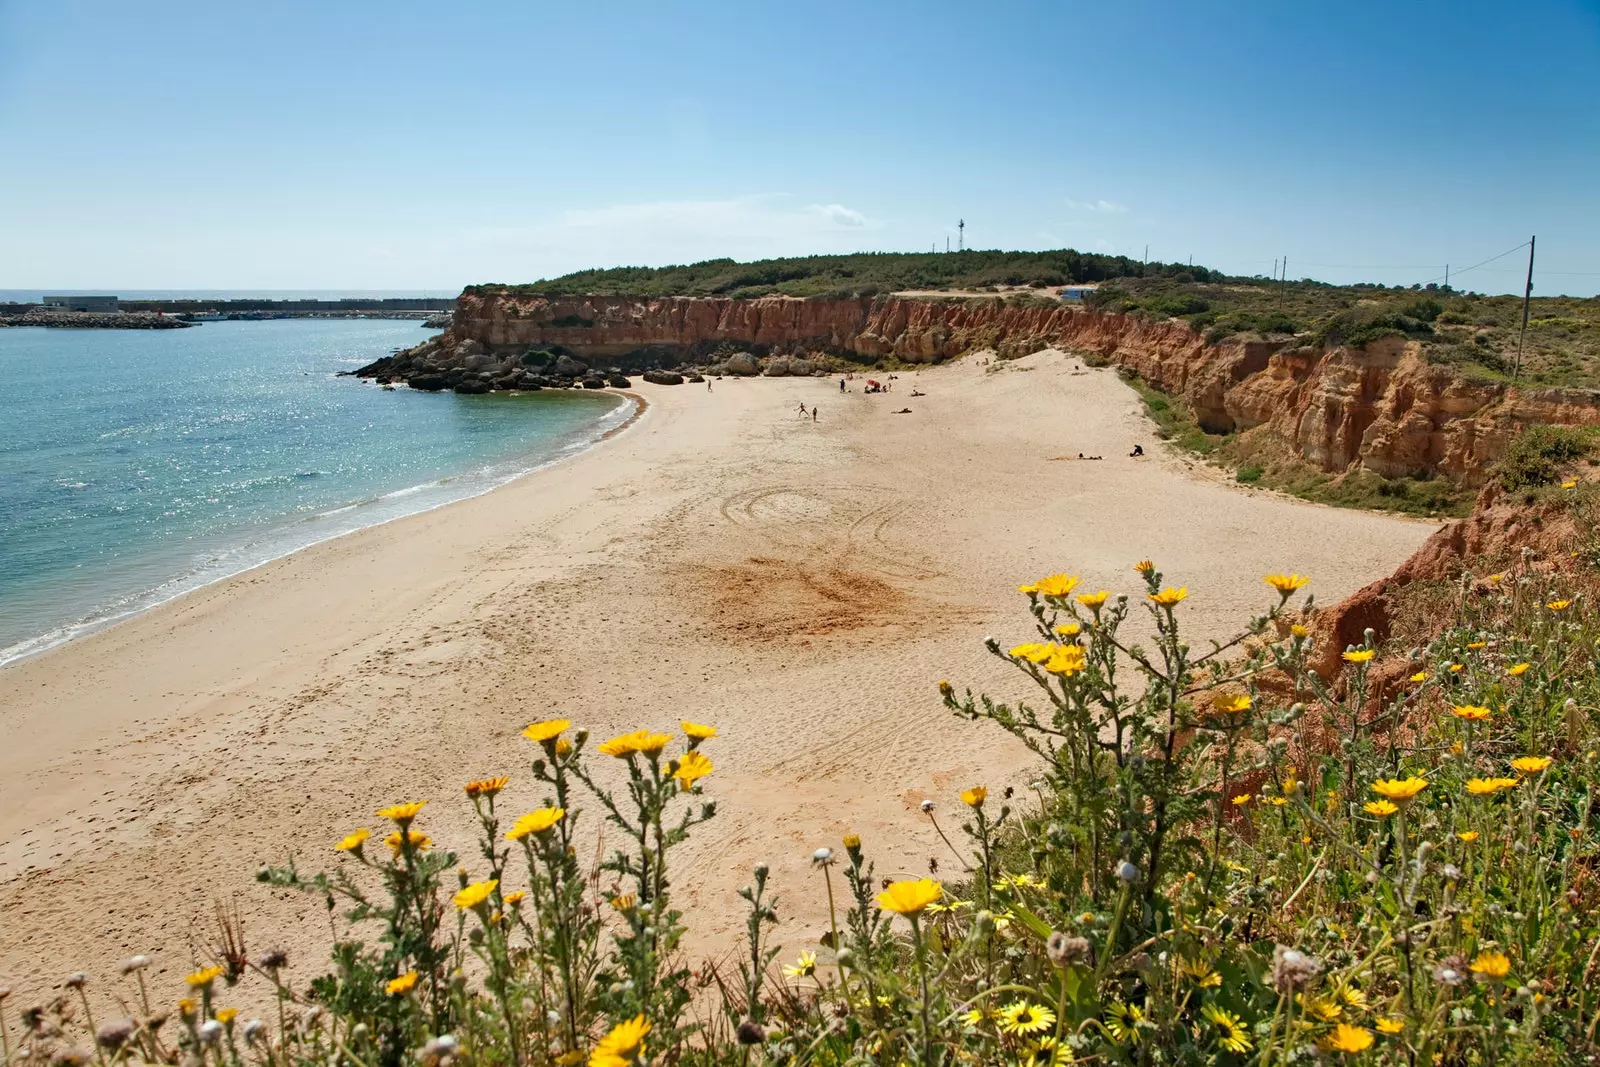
(803, 586)
(194, 581)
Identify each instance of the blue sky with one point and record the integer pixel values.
(427, 145)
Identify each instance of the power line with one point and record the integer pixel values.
(1475, 266)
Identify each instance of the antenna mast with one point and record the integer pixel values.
(961, 236)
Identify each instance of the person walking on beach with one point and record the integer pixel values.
(802, 409)
(841, 385)
(813, 412)
(708, 385)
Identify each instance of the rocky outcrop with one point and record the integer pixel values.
(84, 320)
(1383, 408)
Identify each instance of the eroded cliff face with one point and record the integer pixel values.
(1384, 408)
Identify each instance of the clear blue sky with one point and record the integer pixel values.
(426, 145)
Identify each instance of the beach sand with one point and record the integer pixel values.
(803, 586)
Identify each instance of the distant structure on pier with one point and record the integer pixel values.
(101, 304)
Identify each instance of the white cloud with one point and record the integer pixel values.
(1099, 207)
(839, 214)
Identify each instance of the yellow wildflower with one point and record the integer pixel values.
(1231, 1032)
(1470, 712)
(974, 797)
(1169, 596)
(1469, 836)
(1475, 645)
(203, 978)
(1488, 786)
(1420, 676)
(1023, 1018)
(415, 838)
(535, 822)
(1069, 629)
(1531, 764)
(1287, 583)
(1033, 652)
(226, 1015)
(1321, 1008)
(1297, 630)
(354, 840)
(624, 1044)
(910, 896)
(852, 841)
(1570, 483)
(485, 787)
(1066, 660)
(1491, 965)
(1494, 578)
(402, 813)
(1456, 668)
(1347, 1038)
(1226, 704)
(1390, 1024)
(1559, 605)
(1242, 798)
(624, 903)
(697, 731)
(1144, 566)
(513, 899)
(547, 730)
(1095, 600)
(1399, 790)
(1278, 802)
(643, 741)
(1517, 668)
(1380, 808)
(403, 984)
(1057, 585)
(475, 894)
(691, 768)
(563, 746)
(187, 1007)
(1357, 655)
(804, 966)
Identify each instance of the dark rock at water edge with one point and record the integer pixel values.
(663, 377)
(472, 387)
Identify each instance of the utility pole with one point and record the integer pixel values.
(1274, 268)
(1447, 277)
(1527, 294)
(961, 236)
(947, 242)
(1147, 254)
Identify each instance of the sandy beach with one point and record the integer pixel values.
(803, 586)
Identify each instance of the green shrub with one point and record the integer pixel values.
(1249, 475)
(1537, 456)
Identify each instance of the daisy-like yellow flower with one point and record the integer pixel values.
(1419, 677)
(1517, 668)
(1231, 1032)
(1021, 1017)
(695, 731)
(1278, 802)
(910, 896)
(623, 1045)
(641, 741)
(226, 1015)
(1170, 597)
(1559, 605)
(1069, 629)
(548, 730)
(1199, 972)
(1475, 645)
(1033, 652)
(804, 966)
(1570, 483)
(1347, 1038)
(1242, 798)
(1231, 704)
(203, 978)
(852, 841)
(403, 984)
(1484, 787)
(1531, 764)
(475, 894)
(1399, 790)
(1297, 630)
(1066, 660)
(691, 768)
(354, 840)
(1390, 1024)
(1324, 1009)
(485, 787)
(415, 838)
(187, 1007)
(1455, 668)
(1381, 808)
(974, 797)
(624, 903)
(1057, 585)
(513, 899)
(1493, 578)
(1144, 566)
(1469, 836)
(1095, 600)
(1286, 584)
(1357, 655)
(402, 814)
(1469, 712)
(535, 822)
(1491, 965)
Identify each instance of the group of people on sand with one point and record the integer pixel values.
(1138, 450)
(803, 410)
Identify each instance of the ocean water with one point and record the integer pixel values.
(138, 464)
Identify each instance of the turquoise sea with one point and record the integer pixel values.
(136, 465)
